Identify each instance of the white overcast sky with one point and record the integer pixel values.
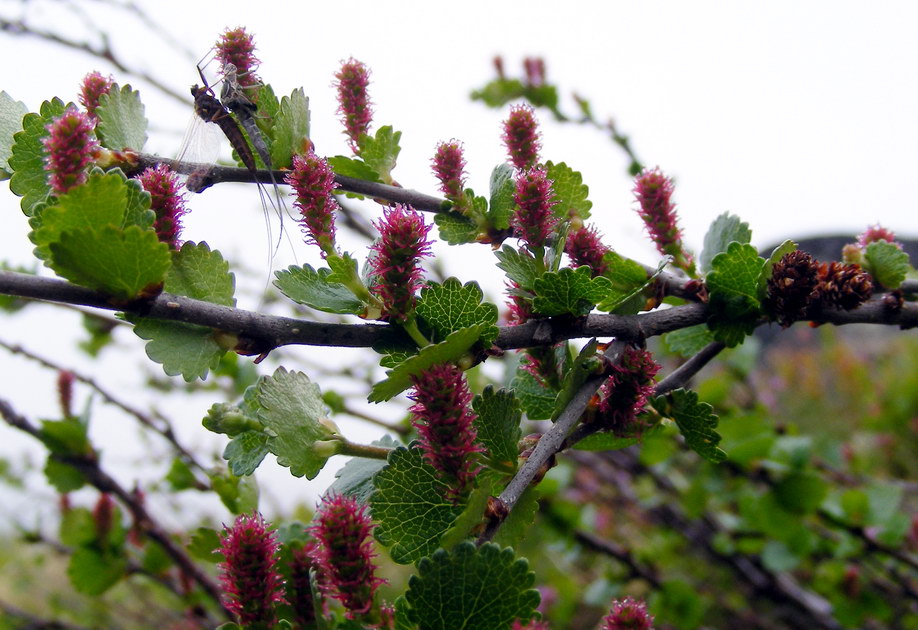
(800, 117)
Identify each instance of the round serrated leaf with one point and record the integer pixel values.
(92, 572)
(451, 306)
(123, 263)
(410, 506)
(485, 588)
(305, 285)
(291, 407)
(122, 123)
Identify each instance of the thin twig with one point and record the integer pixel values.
(217, 174)
(102, 481)
(684, 373)
(20, 28)
(35, 622)
(163, 428)
(267, 332)
(548, 445)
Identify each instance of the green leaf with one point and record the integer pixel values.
(688, 341)
(101, 201)
(456, 228)
(155, 560)
(498, 426)
(92, 572)
(502, 190)
(65, 437)
(410, 506)
(607, 441)
(305, 285)
(64, 477)
(30, 179)
(205, 545)
(451, 306)
(355, 478)
(537, 400)
(11, 113)
(238, 494)
(137, 205)
(696, 422)
(180, 476)
(520, 266)
(78, 528)
(291, 410)
(887, 263)
(475, 506)
(569, 291)
(800, 492)
(570, 192)
(200, 273)
(485, 588)
(515, 527)
(343, 268)
(291, 129)
(725, 229)
(352, 167)
(629, 279)
(450, 349)
(125, 264)
(586, 364)
(499, 92)
(268, 109)
(733, 283)
(245, 452)
(380, 152)
(180, 348)
(122, 124)
(777, 557)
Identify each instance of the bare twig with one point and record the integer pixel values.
(217, 174)
(103, 482)
(266, 332)
(35, 622)
(684, 373)
(549, 444)
(163, 428)
(102, 51)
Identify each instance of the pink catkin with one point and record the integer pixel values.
(396, 265)
(251, 583)
(444, 420)
(93, 86)
(625, 393)
(654, 191)
(71, 147)
(313, 181)
(449, 167)
(354, 105)
(344, 553)
(166, 202)
(237, 47)
(628, 614)
(533, 219)
(584, 247)
(521, 137)
(876, 233)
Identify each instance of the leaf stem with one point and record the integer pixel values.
(366, 451)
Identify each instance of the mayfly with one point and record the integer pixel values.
(234, 98)
(211, 110)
